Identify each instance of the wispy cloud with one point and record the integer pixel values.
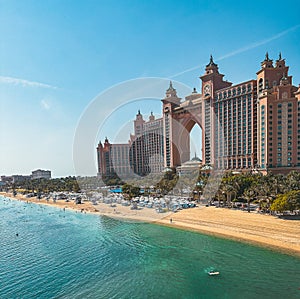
(258, 44)
(244, 49)
(45, 104)
(24, 83)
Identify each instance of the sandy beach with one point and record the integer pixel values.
(263, 230)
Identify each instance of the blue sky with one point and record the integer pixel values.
(56, 56)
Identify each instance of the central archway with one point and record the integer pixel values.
(185, 138)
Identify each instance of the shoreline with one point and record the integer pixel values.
(250, 228)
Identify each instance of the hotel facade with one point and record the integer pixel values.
(250, 125)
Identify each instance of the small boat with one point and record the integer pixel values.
(211, 273)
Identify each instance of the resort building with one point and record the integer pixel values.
(278, 118)
(249, 125)
(113, 159)
(146, 145)
(143, 154)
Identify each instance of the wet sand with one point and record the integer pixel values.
(263, 230)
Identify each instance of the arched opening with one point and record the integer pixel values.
(196, 142)
(190, 141)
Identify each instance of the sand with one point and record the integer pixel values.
(263, 230)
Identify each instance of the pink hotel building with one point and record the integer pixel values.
(250, 125)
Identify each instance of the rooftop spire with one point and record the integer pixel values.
(279, 58)
(211, 62)
(267, 57)
(171, 88)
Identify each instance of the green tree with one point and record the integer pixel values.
(289, 201)
(130, 190)
(249, 195)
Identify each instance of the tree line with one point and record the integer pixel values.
(271, 192)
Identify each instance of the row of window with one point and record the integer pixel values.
(234, 92)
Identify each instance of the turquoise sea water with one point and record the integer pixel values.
(61, 254)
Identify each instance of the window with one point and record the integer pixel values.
(260, 84)
(267, 83)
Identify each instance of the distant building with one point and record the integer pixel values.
(6, 179)
(41, 174)
(113, 159)
(20, 178)
(16, 178)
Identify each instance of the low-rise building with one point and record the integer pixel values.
(41, 174)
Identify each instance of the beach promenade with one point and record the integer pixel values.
(263, 230)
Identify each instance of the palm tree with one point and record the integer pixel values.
(229, 190)
(293, 181)
(249, 195)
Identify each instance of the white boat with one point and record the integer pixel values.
(211, 273)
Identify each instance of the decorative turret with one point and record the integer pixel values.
(171, 96)
(171, 91)
(211, 67)
(139, 116)
(151, 117)
(280, 62)
(211, 62)
(267, 63)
